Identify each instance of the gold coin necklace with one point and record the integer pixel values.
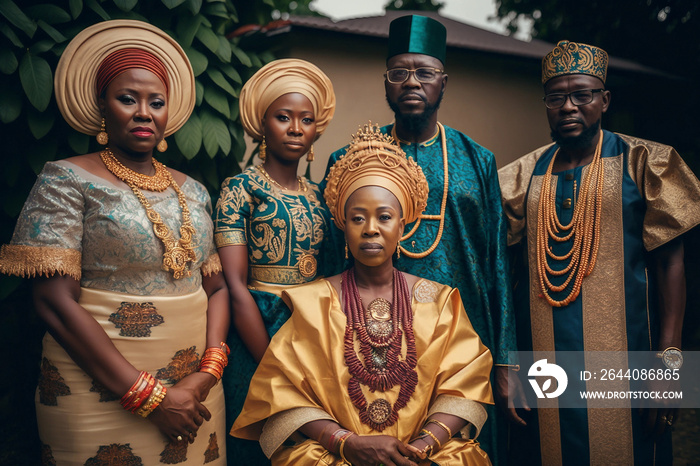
(179, 254)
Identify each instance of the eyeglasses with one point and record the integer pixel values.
(578, 98)
(400, 75)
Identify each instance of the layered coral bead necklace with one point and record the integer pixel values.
(584, 228)
(380, 332)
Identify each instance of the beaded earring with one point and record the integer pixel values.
(398, 250)
(262, 153)
(310, 154)
(346, 249)
(162, 146)
(102, 137)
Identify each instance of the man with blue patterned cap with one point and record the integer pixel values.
(460, 238)
(599, 219)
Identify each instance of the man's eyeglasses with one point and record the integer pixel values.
(400, 75)
(580, 97)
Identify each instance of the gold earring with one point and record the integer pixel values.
(102, 137)
(262, 153)
(162, 145)
(398, 250)
(346, 249)
(310, 155)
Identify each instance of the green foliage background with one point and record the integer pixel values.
(209, 147)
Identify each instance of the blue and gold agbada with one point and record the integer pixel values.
(575, 58)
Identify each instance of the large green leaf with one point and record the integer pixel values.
(215, 134)
(51, 31)
(79, 142)
(41, 46)
(199, 88)
(125, 5)
(76, 7)
(217, 100)
(186, 29)
(10, 105)
(224, 50)
(16, 16)
(207, 37)
(10, 34)
(37, 80)
(220, 81)
(217, 9)
(231, 72)
(194, 6)
(189, 137)
(170, 4)
(49, 13)
(234, 109)
(198, 60)
(241, 55)
(40, 123)
(94, 6)
(8, 61)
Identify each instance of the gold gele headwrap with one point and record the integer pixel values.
(575, 58)
(75, 78)
(280, 77)
(374, 159)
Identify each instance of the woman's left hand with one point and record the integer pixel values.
(199, 383)
(371, 450)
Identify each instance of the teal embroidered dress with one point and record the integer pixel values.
(284, 232)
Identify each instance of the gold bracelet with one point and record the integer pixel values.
(515, 367)
(440, 424)
(342, 445)
(439, 445)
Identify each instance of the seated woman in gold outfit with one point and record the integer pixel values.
(126, 275)
(374, 366)
(270, 223)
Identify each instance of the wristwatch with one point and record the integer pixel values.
(672, 357)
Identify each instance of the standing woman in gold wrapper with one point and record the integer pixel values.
(375, 366)
(271, 225)
(126, 275)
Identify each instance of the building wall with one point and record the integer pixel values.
(496, 102)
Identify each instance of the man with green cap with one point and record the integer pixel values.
(460, 238)
(598, 218)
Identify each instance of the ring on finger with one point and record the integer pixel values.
(179, 438)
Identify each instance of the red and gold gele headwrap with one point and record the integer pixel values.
(374, 159)
(125, 59)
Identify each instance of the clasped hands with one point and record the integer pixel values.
(372, 450)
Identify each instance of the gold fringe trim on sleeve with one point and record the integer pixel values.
(280, 426)
(469, 410)
(212, 265)
(32, 261)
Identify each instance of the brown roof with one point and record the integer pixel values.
(459, 35)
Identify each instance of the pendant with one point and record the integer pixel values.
(379, 411)
(176, 259)
(307, 265)
(380, 310)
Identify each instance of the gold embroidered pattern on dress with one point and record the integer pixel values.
(136, 319)
(51, 384)
(184, 363)
(174, 452)
(31, 261)
(114, 453)
(212, 451)
(425, 291)
(47, 458)
(230, 238)
(105, 395)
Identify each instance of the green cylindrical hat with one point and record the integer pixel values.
(417, 34)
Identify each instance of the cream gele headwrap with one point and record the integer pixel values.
(74, 82)
(374, 159)
(284, 77)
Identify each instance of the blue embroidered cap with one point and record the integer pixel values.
(575, 58)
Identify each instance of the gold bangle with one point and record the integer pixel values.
(432, 436)
(440, 424)
(342, 445)
(515, 367)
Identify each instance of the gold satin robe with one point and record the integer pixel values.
(303, 377)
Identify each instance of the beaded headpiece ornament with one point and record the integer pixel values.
(374, 159)
(575, 58)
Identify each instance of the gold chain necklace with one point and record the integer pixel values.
(443, 206)
(300, 180)
(178, 254)
(584, 227)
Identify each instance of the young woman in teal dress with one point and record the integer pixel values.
(270, 224)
